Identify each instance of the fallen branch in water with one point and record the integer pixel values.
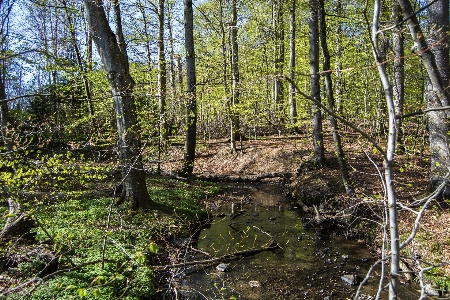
(227, 257)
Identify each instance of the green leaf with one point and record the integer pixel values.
(402, 170)
(120, 277)
(437, 164)
(82, 292)
(140, 257)
(375, 151)
(153, 248)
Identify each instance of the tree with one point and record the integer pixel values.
(292, 29)
(315, 82)
(278, 52)
(436, 94)
(191, 118)
(112, 52)
(388, 158)
(329, 92)
(438, 23)
(78, 56)
(162, 77)
(399, 71)
(235, 127)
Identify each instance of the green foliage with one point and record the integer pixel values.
(438, 279)
(31, 170)
(75, 227)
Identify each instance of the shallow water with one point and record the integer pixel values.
(308, 265)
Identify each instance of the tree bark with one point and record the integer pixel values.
(162, 77)
(191, 119)
(122, 84)
(319, 150)
(399, 72)
(292, 28)
(388, 162)
(235, 127)
(436, 96)
(278, 55)
(438, 23)
(329, 91)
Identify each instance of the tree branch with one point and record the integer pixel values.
(351, 125)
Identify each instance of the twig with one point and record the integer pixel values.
(343, 120)
(368, 276)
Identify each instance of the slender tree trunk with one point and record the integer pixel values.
(171, 54)
(319, 149)
(191, 120)
(119, 30)
(73, 39)
(436, 97)
(235, 126)
(162, 77)
(4, 113)
(224, 63)
(278, 54)
(399, 72)
(338, 64)
(388, 160)
(122, 84)
(141, 8)
(292, 29)
(329, 90)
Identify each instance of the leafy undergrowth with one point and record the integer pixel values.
(109, 250)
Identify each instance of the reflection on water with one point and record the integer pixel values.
(308, 265)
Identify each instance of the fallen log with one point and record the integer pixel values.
(227, 257)
(232, 178)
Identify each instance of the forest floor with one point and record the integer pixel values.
(286, 154)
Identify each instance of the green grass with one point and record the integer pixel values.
(75, 231)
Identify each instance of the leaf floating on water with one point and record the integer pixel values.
(254, 283)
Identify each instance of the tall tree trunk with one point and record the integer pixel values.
(122, 84)
(399, 72)
(119, 30)
(388, 162)
(225, 62)
(171, 54)
(338, 64)
(191, 119)
(278, 54)
(292, 29)
(4, 113)
(73, 40)
(235, 126)
(438, 22)
(329, 90)
(436, 94)
(141, 8)
(315, 83)
(162, 77)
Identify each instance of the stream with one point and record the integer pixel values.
(309, 264)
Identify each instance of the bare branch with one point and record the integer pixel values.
(343, 120)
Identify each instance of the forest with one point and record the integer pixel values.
(129, 125)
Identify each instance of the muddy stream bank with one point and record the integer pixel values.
(309, 263)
